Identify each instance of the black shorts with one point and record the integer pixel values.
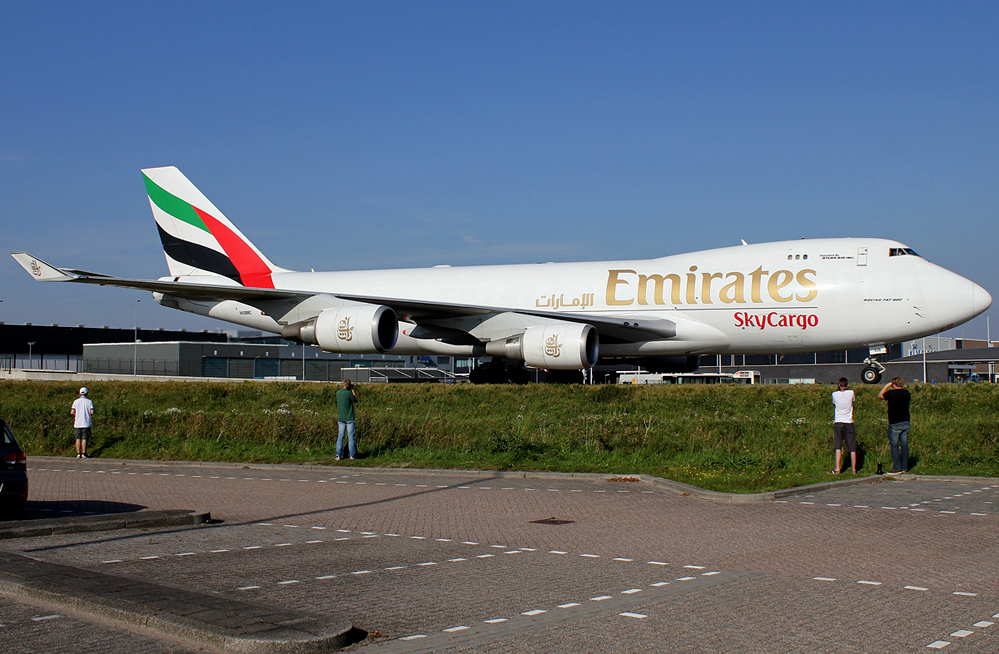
(82, 433)
(847, 431)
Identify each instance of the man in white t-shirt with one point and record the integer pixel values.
(843, 428)
(82, 412)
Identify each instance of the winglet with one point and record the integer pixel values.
(42, 271)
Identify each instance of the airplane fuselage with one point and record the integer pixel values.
(806, 295)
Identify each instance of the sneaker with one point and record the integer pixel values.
(84, 456)
(79, 456)
(352, 458)
(336, 458)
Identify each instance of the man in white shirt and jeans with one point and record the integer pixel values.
(843, 427)
(82, 412)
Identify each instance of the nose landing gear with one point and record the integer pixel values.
(871, 372)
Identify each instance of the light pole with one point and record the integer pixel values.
(988, 343)
(30, 344)
(924, 359)
(135, 348)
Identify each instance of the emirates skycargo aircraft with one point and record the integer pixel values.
(796, 296)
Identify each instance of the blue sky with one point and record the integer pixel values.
(396, 134)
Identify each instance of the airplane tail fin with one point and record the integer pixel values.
(197, 238)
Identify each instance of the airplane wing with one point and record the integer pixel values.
(46, 272)
(620, 328)
(624, 328)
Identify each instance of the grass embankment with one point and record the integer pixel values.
(729, 438)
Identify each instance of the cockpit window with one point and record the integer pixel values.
(901, 252)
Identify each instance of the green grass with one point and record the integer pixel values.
(727, 438)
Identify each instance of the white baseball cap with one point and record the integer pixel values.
(83, 391)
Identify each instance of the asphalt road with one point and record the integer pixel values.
(452, 562)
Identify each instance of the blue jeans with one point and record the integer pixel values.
(351, 448)
(898, 442)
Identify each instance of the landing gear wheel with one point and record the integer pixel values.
(488, 373)
(518, 375)
(870, 375)
(496, 372)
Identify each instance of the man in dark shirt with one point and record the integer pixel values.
(898, 423)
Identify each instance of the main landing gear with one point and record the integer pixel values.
(496, 372)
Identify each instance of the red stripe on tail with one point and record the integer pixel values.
(252, 269)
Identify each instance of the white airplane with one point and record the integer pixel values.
(809, 295)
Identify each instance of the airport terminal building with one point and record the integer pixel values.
(60, 347)
(232, 360)
(207, 354)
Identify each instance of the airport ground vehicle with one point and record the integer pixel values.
(658, 378)
(13, 474)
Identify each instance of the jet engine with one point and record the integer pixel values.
(360, 328)
(566, 346)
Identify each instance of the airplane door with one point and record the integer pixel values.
(861, 256)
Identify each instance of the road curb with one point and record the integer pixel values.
(667, 484)
(106, 522)
(753, 498)
(205, 619)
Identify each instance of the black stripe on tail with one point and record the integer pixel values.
(198, 256)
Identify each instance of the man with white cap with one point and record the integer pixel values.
(82, 411)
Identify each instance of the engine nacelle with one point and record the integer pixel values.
(567, 346)
(359, 328)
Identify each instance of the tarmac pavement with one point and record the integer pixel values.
(483, 562)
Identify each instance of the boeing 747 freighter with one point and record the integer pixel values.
(796, 296)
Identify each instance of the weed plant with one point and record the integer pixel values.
(721, 437)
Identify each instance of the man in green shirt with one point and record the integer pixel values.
(346, 398)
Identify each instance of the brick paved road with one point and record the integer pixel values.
(454, 562)
(30, 629)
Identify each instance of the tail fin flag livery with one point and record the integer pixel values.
(197, 238)
(807, 295)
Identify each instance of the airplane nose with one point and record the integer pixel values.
(949, 298)
(980, 299)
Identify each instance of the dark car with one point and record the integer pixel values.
(13, 474)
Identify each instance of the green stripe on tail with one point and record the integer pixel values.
(173, 205)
